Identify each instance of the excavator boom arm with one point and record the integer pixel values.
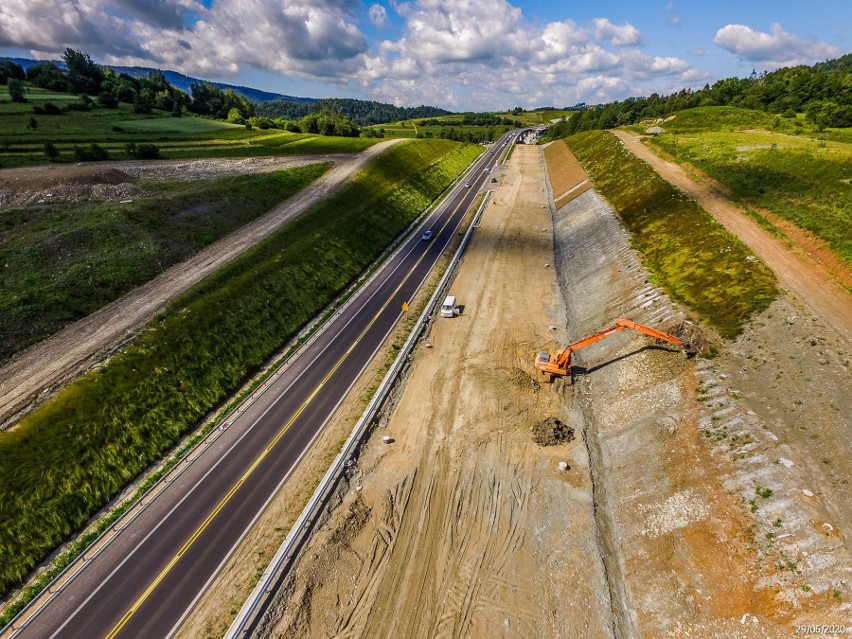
(653, 332)
(564, 357)
(560, 364)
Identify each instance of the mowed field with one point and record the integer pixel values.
(112, 129)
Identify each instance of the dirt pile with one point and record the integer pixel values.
(65, 184)
(552, 432)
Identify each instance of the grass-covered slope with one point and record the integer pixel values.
(72, 455)
(691, 255)
(768, 162)
(64, 261)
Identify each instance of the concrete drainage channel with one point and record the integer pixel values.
(255, 607)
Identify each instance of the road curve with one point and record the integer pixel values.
(145, 580)
(75, 348)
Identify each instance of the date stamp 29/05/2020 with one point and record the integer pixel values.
(825, 629)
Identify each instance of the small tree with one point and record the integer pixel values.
(51, 151)
(32, 123)
(235, 116)
(16, 90)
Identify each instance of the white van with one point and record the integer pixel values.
(448, 308)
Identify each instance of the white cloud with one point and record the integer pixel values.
(378, 15)
(620, 36)
(773, 50)
(461, 54)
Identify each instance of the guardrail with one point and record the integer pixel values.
(256, 605)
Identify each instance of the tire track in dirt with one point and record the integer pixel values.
(43, 367)
(797, 272)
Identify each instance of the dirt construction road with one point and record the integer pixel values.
(797, 271)
(458, 528)
(700, 501)
(73, 350)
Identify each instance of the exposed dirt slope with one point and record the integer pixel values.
(118, 180)
(74, 349)
(700, 504)
(798, 272)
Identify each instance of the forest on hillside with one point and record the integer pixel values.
(823, 92)
(361, 112)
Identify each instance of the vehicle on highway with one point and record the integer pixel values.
(427, 236)
(467, 184)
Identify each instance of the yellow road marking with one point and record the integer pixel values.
(168, 567)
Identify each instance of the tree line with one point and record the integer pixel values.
(361, 112)
(823, 92)
(83, 76)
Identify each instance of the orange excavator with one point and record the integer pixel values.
(559, 365)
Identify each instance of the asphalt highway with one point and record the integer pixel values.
(146, 580)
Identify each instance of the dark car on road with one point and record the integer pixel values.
(427, 236)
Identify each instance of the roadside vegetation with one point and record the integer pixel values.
(70, 456)
(695, 260)
(800, 178)
(63, 261)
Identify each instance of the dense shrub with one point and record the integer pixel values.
(143, 151)
(92, 153)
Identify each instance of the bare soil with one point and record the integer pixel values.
(700, 498)
(36, 372)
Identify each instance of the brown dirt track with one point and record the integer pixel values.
(818, 287)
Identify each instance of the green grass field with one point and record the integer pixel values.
(801, 176)
(75, 452)
(113, 129)
(65, 261)
(804, 178)
(533, 118)
(696, 261)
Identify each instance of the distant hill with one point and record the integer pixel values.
(181, 81)
(362, 112)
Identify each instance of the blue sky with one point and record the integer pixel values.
(456, 54)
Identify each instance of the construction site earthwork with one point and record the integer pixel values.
(544, 467)
(655, 496)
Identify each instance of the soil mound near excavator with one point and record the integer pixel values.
(552, 432)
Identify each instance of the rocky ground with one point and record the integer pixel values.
(697, 498)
